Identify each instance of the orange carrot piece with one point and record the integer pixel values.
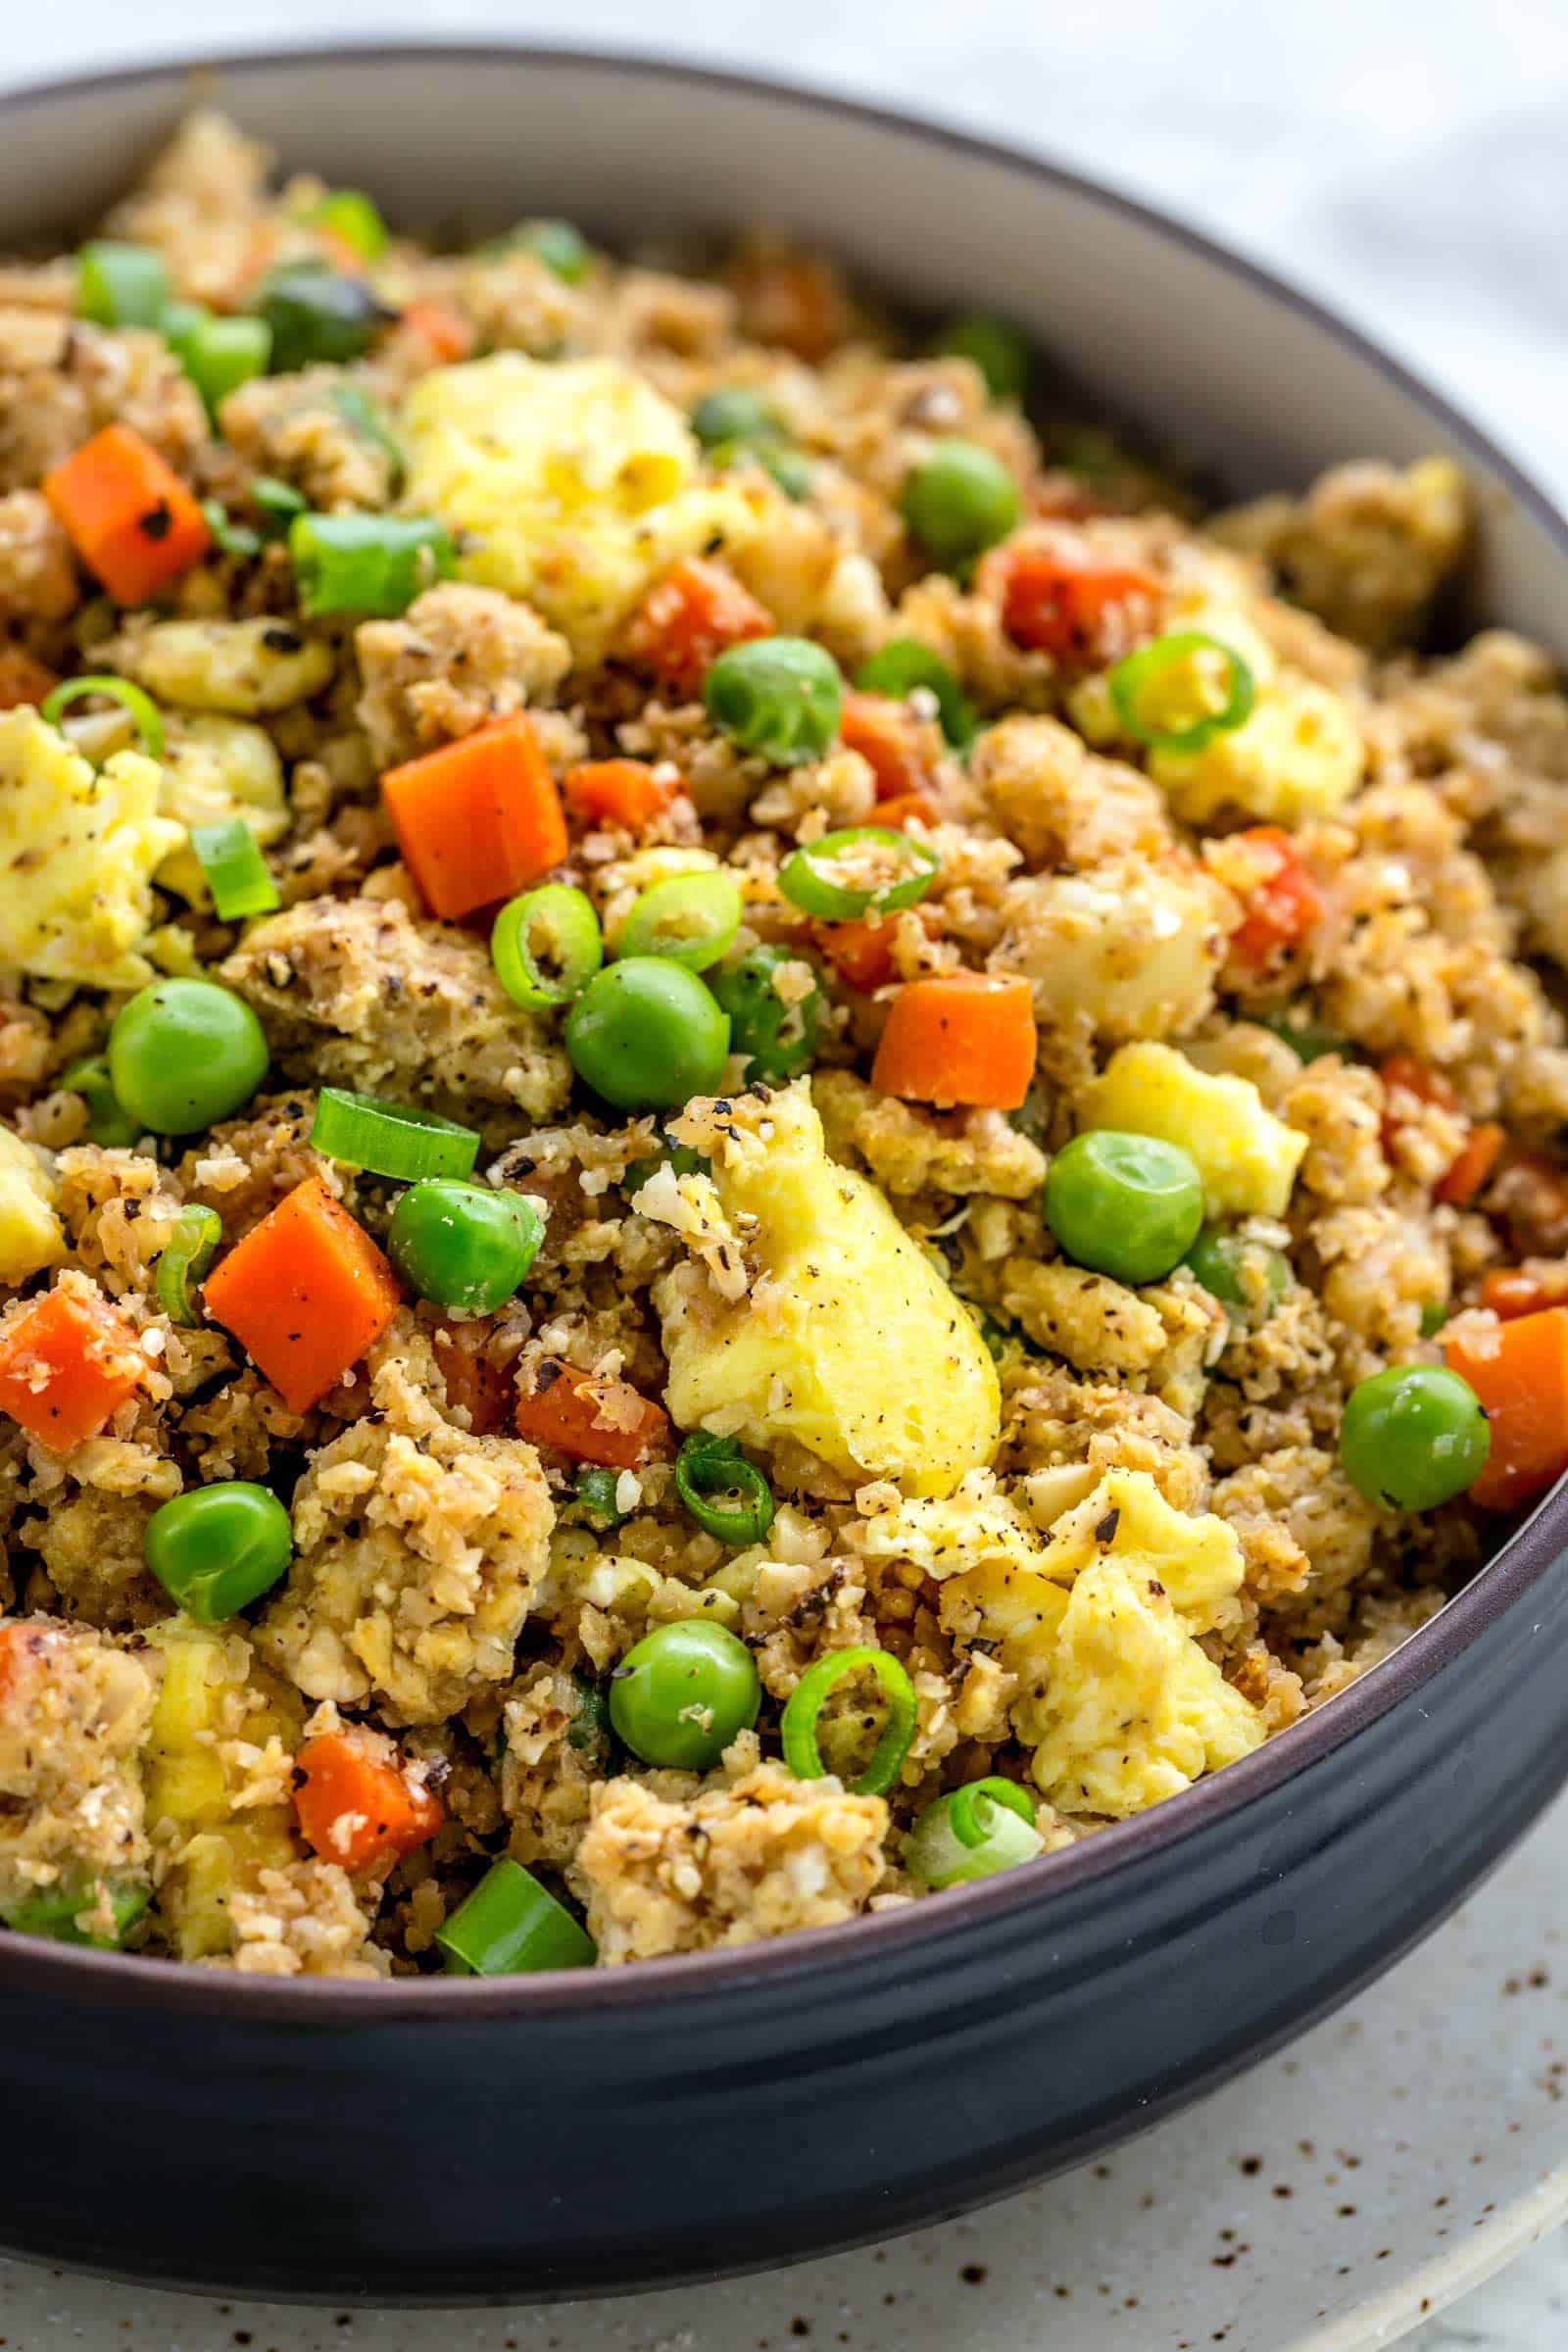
(899, 749)
(689, 618)
(860, 951)
(792, 299)
(592, 1419)
(1478, 1155)
(68, 1361)
(1514, 1291)
(23, 679)
(445, 330)
(474, 1381)
(899, 812)
(306, 1293)
(131, 518)
(627, 792)
(1282, 904)
(24, 1646)
(1520, 1373)
(1076, 611)
(1408, 1074)
(959, 1038)
(357, 1804)
(478, 819)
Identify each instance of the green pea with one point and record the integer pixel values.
(997, 348)
(463, 1245)
(959, 501)
(778, 1039)
(791, 468)
(1129, 1206)
(779, 697)
(734, 413)
(217, 1548)
(1247, 1278)
(681, 1696)
(1413, 1437)
(183, 1055)
(647, 1035)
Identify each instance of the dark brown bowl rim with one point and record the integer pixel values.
(1527, 1555)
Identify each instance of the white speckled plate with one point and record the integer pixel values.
(1326, 2203)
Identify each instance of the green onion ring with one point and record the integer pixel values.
(805, 878)
(390, 1139)
(140, 705)
(107, 1121)
(237, 871)
(964, 1810)
(186, 1257)
(705, 1466)
(510, 1926)
(805, 1706)
(570, 938)
(1130, 678)
(690, 919)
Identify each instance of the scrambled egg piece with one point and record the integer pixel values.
(79, 847)
(245, 667)
(1248, 1158)
(30, 1236)
(1119, 1702)
(218, 1777)
(1135, 945)
(571, 483)
(849, 1342)
(216, 768)
(1298, 755)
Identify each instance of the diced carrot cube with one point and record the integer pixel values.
(131, 518)
(592, 1419)
(305, 1293)
(68, 1361)
(478, 819)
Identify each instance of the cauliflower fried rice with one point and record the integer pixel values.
(766, 1136)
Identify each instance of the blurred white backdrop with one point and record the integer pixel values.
(1409, 163)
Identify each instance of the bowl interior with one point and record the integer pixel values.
(1212, 357)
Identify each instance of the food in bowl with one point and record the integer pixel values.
(768, 1137)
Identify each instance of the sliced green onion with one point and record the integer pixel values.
(390, 1139)
(319, 315)
(350, 214)
(279, 501)
(799, 1722)
(691, 919)
(709, 1466)
(121, 285)
(360, 415)
(973, 1833)
(904, 664)
(684, 1158)
(107, 1122)
(1307, 1039)
(590, 1731)
(53, 1912)
(218, 353)
(563, 249)
(593, 1501)
(510, 1927)
(370, 564)
(1433, 1318)
(1136, 674)
(808, 880)
(141, 706)
(554, 926)
(234, 538)
(236, 873)
(184, 1260)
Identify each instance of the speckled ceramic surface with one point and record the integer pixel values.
(1327, 2202)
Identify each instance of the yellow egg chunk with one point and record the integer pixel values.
(573, 483)
(248, 669)
(849, 1341)
(31, 1235)
(1119, 1702)
(79, 847)
(218, 1714)
(216, 768)
(1247, 1158)
(1298, 755)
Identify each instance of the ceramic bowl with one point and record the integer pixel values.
(566, 2134)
